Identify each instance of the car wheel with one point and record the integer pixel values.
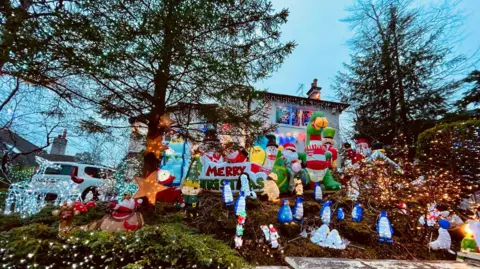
(92, 190)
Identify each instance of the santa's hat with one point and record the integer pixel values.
(290, 146)
(362, 140)
(272, 229)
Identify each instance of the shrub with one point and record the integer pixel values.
(166, 245)
(454, 146)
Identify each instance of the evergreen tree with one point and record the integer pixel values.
(398, 79)
(142, 59)
(471, 96)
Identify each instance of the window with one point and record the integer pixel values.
(96, 172)
(292, 116)
(65, 169)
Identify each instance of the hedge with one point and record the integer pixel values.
(453, 145)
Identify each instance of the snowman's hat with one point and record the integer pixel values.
(271, 141)
(211, 136)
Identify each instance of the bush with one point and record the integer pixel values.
(166, 245)
(453, 146)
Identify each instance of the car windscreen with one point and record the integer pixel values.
(66, 169)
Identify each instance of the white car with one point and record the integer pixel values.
(87, 176)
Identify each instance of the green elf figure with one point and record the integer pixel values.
(318, 157)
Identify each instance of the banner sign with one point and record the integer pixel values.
(213, 175)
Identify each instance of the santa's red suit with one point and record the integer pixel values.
(334, 153)
(214, 157)
(236, 157)
(125, 208)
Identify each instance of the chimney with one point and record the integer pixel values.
(59, 144)
(314, 92)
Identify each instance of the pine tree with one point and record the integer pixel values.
(397, 81)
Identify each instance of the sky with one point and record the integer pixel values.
(321, 37)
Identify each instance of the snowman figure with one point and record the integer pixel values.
(227, 193)
(384, 228)
(317, 192)
(274, 237)
(326, 212)
(298, 209)
(272, 150)
(357, 213)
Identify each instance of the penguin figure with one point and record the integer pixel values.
(357, 213)
(444, 241)
(244, 183)
(298, 209)
(227, 193)
(326, 212)
(384, 228)
(317, 193)
(285, 214)
(340, 214)
(240, 204)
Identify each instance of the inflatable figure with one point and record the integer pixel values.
(318, 156)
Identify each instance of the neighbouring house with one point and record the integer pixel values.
(13, 144)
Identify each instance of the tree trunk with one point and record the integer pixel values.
(399, 74)
(154, 147)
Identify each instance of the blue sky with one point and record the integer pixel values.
(321, 42)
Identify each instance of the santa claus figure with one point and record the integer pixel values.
(293, 164)
(125, 208)
(272, 150)
(209, 150)
(362, 150)
(235, 154)
(327, 140)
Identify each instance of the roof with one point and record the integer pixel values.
(61, 158)
(303, 101)
(19, 144)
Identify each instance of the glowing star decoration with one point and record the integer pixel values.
(384, 228)
(326, 212)
(149, 187)
(444, 240)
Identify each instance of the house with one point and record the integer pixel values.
(289, 113)
(13, 144)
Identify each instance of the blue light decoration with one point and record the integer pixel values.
(281, 140)
(285, 214)
(177, 160)
(384, 228)
(326, 212)
(357, 213)
(340, 214)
